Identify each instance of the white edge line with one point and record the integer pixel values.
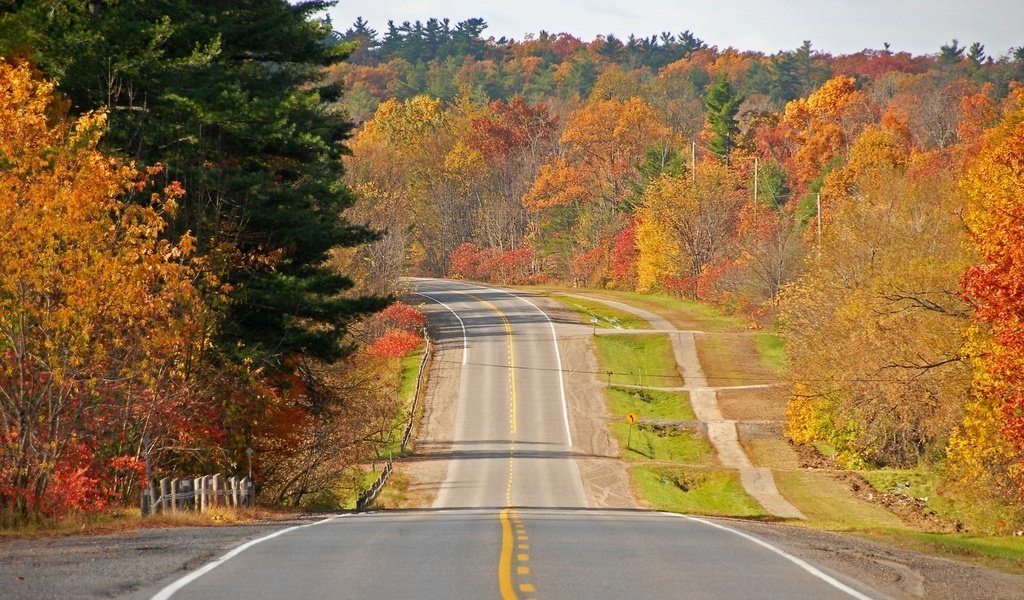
(558, 357)
(169, 591)
(793, 559)
(465, 345)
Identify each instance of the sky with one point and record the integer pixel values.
(833, 26)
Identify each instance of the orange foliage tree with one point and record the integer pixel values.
(580, 193)
(97, 312)
(823, 123)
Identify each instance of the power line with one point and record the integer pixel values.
(743, 380)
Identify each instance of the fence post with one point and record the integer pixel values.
(204, 484)
(248, 498)
(165, 491)
(174, 495)
(188, 497)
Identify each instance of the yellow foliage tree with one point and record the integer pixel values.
(688, 221)
(97, 312)
(875, 323)
(986, 455)
(875, 151)
(658, 254)
(601, 145)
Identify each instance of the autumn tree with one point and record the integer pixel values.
(770, 248)
(99, 318)
(686, 225)
(585, 186)
(875, 324)
(824, 124)
(233, 102)
(514, 138)
(987, 452)
(416, 153)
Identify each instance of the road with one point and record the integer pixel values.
(510, 520)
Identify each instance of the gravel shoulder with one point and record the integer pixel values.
(123, 565)
(897, 572)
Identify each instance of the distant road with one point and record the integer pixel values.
(510, 520)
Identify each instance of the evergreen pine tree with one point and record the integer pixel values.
(230, 99)
(722, 104)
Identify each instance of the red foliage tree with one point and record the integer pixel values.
(624, 255)
(396, 343)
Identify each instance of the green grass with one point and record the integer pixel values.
(695, 491)
(978, 515)
(410, 368)
(772, 349)
(649, 404)
(641, 359)
(607, 317)
(689, 313)
(919, 484)
(648, 442)
(828, 505)
(345, 494)
(1010, 548)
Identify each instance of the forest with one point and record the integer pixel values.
(865, 206)
(173, 197)
(208, 214)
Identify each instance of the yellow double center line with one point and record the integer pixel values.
(515, 545)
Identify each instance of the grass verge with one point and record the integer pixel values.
(684, 314)
(644, 359)
(772, 349)
(694, 491)
(650, 442)
(827, 504)
(129, 518)
(607, 317)
(409, 366)
(1004, 547)
(649, 404)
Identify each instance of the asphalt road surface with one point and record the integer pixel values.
(511, 520)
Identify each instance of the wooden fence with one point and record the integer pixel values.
(197, 493)
(202, 493)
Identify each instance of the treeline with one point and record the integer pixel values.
(864, 202)
(444, 61)
(173, 196)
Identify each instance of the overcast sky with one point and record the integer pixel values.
(835, 26)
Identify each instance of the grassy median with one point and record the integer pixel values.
(704, 491)
(638, 359)
(649, 404)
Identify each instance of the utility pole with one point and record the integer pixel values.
(756, 161)
(817, 204)
(693, 162)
